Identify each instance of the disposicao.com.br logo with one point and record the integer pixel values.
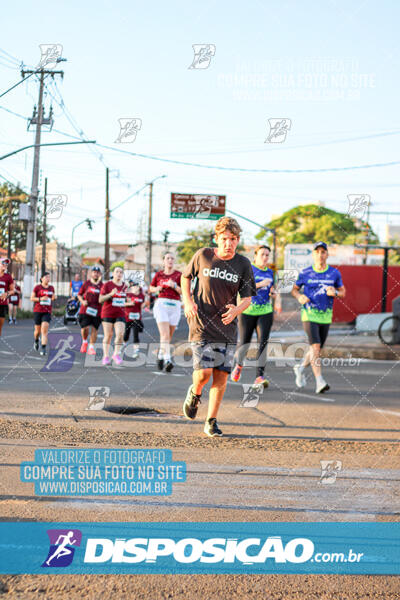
(191, 550)
(247, 551)
(200, 547)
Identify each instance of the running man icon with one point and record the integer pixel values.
(61, 551)
(63, 348)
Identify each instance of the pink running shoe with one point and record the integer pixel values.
(106, 361)
(91, 351)
(117, 359)
(261, 381)
(84, 346)
(236, 373)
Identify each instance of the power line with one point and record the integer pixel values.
(10, 57)
(15, 85)
(74, 137)
(73, 122)
(244, 170)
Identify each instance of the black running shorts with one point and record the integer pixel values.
(89, 321)
(316, 332)
(39, 318)
(114, 320)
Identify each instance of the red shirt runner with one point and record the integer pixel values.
(161, 278)
(90, 292)
(45, 295)
(134, 312)
(113, 308)
(15, 296)
(5, 283)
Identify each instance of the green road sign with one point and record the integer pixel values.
(197, 206)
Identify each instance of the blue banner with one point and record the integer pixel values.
(242, 548)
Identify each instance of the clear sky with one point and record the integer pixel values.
(330, 67)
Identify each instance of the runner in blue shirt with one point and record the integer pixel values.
(257, 317)
(320, 284)
(75, 285)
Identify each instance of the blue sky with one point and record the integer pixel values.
(331, 67)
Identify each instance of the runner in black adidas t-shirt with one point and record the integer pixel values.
(221, 275)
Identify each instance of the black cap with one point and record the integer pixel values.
(320, 245)
(96, 268)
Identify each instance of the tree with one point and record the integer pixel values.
(394, 255)
(195, 239)
(18, 228)
(117, 263)
(311, 223)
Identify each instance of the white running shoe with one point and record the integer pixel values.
(322, 386)
(300, 377)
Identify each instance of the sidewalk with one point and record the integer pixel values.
(343, 341)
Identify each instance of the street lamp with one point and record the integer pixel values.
(41, 146)
(270, 229)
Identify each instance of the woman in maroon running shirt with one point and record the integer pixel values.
(113, 299)
(6, 289)
(14, 302)
(43, 296)
(167, 308)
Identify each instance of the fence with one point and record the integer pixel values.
(364, 291)
(60, 276)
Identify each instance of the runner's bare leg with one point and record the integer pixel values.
(200, 378)
(119, 329)
(216, 392)
(44, 331)
(108, 331)
(315, 352)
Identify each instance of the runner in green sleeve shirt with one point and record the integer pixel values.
(257, 317)
(320, 284)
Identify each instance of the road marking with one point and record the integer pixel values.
(388, 412)
(376, 360)
(315, 397)
(170, 374)
(7, 337)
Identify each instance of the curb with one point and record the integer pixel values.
(373, 352)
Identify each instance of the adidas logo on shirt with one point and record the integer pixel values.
(217, 272)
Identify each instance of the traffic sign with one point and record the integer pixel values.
(197, 206)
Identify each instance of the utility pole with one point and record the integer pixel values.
(107, 241)
(37, 119)
(367, 234)
(44, 235)
(149, 226)
(149, 240)
(9, 227)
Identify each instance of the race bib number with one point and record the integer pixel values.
(118, 301)
(45, 301)
(91, 311)
(133, 316)
(13, 298)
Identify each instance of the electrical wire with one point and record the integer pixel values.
(244, 170)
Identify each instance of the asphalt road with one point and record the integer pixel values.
(265, 468)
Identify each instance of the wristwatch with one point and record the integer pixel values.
(336, 293)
